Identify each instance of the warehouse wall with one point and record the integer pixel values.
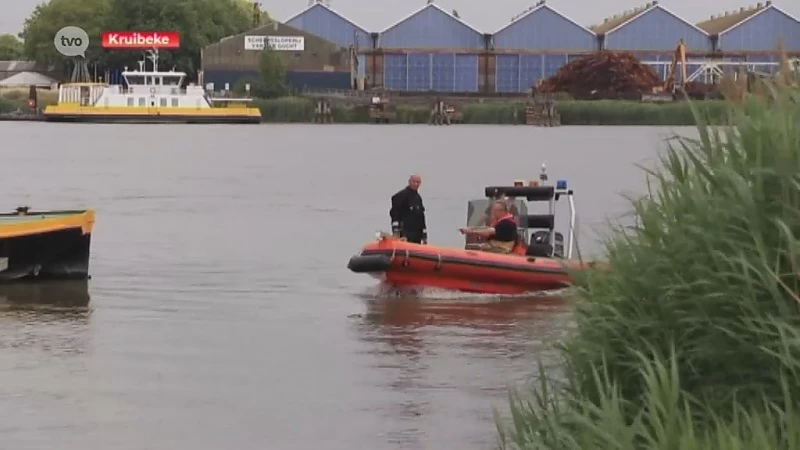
(661, 61)
(761, 33)
(520, 72)
(375, 76)
(431, 28)
(755, 59)
(331, 26)
(441, 72)
(536, 46)
(296, 79)
(318, 54)
(656, 30)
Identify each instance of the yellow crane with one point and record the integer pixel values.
(679, 57)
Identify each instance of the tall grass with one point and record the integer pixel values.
(692, 338)
(600, 112)
(624, 112)
(12, 99)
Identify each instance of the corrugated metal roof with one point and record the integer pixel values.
(541, 5)
(27, 79)
(435, 6)
(609, 23)
(729, 19)
(319, 4)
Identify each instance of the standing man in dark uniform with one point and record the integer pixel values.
(408, 213)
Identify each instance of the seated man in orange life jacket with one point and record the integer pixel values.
(512, 209)
(502, 236)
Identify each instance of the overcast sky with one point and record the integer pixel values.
(376, 15)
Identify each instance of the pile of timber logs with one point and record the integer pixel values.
(607, 73)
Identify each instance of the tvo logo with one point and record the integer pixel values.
(71, 41)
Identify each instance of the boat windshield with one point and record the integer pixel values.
(478, 211)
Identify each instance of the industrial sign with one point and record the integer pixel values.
(143, 39)
(279, 43)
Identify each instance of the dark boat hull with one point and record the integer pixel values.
(153, 119)
(54, 255)
(46, 245)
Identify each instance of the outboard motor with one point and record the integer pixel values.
(540, 244)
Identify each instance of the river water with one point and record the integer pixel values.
(221, 312)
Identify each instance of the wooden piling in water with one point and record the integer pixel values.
(322, 112)
(444, 114)
(380, 111)
(542, 112)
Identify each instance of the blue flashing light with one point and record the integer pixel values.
(561, 184)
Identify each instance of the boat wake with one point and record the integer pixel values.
(386, 305)
(385, 291)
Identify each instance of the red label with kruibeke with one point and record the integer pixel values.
(141, 39)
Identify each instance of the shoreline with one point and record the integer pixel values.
(511, 112)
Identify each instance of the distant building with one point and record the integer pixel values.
(11, 68)
(435, 50)
(27, 79)
(753, 34)
(309, 60)
(652, 32)
(319, 19)
(430, 50)
(535, 45)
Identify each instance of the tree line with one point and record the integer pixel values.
(199, 22)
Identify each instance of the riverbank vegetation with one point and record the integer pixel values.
(13, 99)
(691, 339)
(596, 112)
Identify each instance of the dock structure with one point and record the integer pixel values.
(542, 111)
(381, 111)
(445, 114)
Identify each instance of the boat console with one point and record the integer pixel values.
(537, 230)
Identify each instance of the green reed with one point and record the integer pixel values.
(625, 112)
(691, 339)
(12, 99)
(600, 112)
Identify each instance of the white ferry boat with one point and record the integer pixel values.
(150, 97)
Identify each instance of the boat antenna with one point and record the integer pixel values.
(153, 56)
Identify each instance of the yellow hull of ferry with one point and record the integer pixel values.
(36, 223)
(144, 114)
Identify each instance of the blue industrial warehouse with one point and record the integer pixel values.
(434, 50)
(326, 23)
(535, 45)
(652, 33)
(752, 34)
(431, 50)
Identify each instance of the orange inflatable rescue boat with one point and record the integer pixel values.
(538, 263)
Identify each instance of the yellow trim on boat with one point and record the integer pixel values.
(44, 223)
(78, 110)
